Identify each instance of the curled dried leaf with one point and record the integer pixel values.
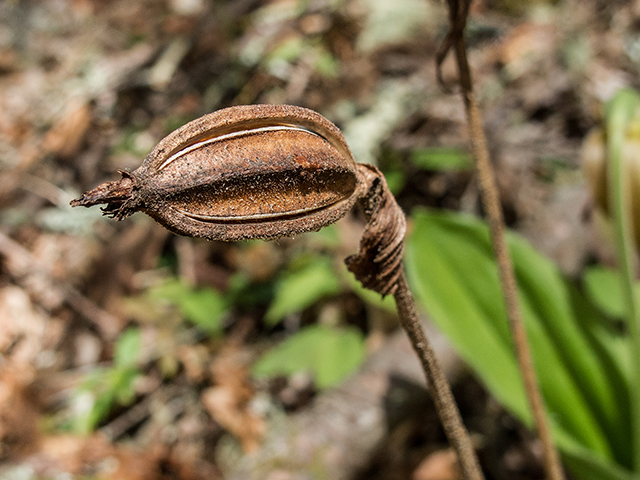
(379, 263)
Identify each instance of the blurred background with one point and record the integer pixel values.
(129, 353)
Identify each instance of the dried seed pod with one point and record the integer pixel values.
(253, 171)
(261, 171)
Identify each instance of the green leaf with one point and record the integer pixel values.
(451, 266)
(603, 287)
(100, 391)
(122, 384)
(300, 289)
(585, 466)
(442, 159)
(438, 274)
(555, 305)
(609, 348)
(104, 388)
(127, 350)
(204, 307)
(329, 354)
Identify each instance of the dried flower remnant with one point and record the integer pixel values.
(261, 171)
(378, 264)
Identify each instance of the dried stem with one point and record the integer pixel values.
(438, 385)
(458, 11)
(491, 203)
(378, 266)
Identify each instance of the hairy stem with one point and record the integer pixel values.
(438, 385)
(491, 203)
(459, 10)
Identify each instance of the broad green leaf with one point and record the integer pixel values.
(603, 287)
(442, 159)
(300, 289)
(604, 336)
(585, 466)
(329, 354)
(451, 265)
(204, 307)
(609, 347)
(437, 275)
(552, 302)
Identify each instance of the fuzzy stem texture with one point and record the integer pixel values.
(458, 13)
(438, 385)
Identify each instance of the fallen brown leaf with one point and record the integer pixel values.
(65, 138)
(80, 455)
(228, 403)
(19, 412)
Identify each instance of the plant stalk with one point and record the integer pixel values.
(438, 385)
(491, 203)
(458, 12)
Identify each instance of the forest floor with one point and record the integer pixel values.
(126, 352)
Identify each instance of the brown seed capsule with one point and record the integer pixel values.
(253, 171)
(261, 171)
